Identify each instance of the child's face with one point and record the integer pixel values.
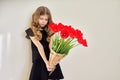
(43, 20)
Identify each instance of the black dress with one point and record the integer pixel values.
(39, 70)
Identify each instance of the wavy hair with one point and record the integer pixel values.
(42, 10)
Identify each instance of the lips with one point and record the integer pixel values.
(42, 25)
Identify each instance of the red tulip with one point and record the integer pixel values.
(64, 34)
(78, 34)
(66, 31)
(53, 27)
(82, 41)
(71, 31)
(60, 26)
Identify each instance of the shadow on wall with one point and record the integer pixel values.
(15, 61)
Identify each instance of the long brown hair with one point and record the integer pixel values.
(42, 10)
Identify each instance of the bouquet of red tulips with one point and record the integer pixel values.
(64, 39)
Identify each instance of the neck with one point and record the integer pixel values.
(41, 29)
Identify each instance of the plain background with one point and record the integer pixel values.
(99, 20)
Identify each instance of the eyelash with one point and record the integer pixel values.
(42, 19)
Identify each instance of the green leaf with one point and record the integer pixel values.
(62, 46)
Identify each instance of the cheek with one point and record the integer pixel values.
(46, 22)
(39, 20)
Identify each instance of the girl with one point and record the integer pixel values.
(40, 35)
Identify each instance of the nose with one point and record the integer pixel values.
(43, 21)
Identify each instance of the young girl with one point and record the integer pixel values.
(40, 35)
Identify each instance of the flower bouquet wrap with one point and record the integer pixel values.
(64, 39)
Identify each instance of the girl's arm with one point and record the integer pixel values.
(40, 49)
(50, 44)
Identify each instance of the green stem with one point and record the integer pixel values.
(57, 50)
(67, 43)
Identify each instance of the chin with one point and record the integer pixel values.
(42, 26)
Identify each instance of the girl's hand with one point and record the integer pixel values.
(49, 68)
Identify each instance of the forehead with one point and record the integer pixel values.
(44, 16)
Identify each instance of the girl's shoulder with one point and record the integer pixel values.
(29, 32)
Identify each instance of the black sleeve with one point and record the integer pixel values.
(29, 32)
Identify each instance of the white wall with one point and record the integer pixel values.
(98, 19)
